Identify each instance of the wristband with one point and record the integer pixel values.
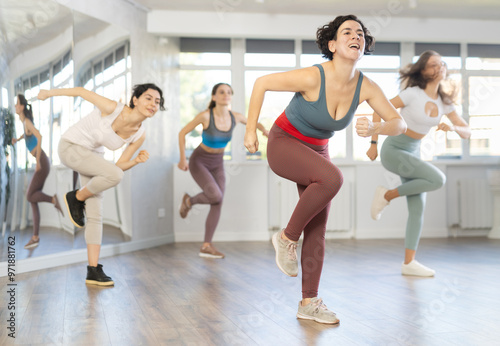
(373, 142)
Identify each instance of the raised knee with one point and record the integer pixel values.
(216, 198)
(30, 198)
(334, 183)
(116, 175)
(440, 180)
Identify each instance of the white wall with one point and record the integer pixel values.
(258, 201)
(244, 213)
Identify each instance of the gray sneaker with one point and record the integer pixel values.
(286, 255)
(316, 310)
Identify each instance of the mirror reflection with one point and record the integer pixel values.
(36, 53)
(54, 48)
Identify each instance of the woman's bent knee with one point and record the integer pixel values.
(115, 175)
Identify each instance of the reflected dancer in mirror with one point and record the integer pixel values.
(112, 125)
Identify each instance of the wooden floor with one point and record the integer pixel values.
(169, 296)
(55, 240)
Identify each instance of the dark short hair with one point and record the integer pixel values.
(140, 89)
(328, 32)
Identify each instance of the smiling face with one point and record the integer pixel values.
(148, 103)
(435, 68)
(223, 95)
(350, 43)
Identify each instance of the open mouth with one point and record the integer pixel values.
(354, 46)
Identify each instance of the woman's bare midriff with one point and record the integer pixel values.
(212, 150)
(413, 134)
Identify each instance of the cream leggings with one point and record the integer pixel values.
(97, 175)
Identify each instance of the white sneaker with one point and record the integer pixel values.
(379, 202)
(416, 269)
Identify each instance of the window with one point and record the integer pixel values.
(109, 75)
(270, 53)
(483, 57)
(263, 57)
(5, 98)
(382, 66)
(204, 63)
(274, 104)
(59, 74)
(484, 115)
(483, 76)
(311, 54)
(205, 51)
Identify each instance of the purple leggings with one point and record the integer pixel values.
(207, 170)
(35, 194)
(318, 181)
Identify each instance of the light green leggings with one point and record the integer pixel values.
(401, 155)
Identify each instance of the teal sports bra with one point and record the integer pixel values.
(312, 119)
(31, 142)
(213, 137)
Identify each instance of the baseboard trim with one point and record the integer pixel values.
(398, 233)
(187, 237)
(80, 255)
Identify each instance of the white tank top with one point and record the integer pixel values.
(94, 131)
(421, 112)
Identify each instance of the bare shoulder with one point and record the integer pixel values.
(204, 115)
(312, 74)
(368, 88)
(202, 118)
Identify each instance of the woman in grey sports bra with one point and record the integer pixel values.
(206, 163)
(325, 101)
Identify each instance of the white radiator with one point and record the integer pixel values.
(341, 215)
(341, 211)
(475, 204)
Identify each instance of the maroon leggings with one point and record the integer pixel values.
(207, 170)
(318, 181)
(35, 194)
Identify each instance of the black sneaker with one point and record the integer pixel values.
(96, 276)
(75, 208)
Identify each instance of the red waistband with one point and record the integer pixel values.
(287, 126)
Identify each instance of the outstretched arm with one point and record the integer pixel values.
(105, 105)
(125, 161)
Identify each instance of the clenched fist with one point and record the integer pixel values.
(365, 128)
(142, 157)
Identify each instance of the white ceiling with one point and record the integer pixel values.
(456, 9)
(27, 23)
